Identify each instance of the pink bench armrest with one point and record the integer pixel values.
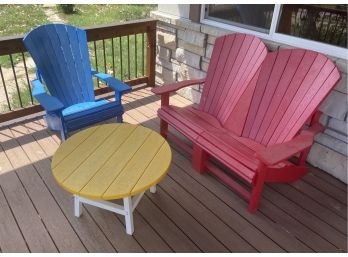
(281, 152)
(175, 86)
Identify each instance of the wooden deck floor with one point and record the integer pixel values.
(189, 212)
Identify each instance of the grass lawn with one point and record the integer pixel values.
(19, 19)
(96, 14)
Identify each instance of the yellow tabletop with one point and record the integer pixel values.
(111, 161)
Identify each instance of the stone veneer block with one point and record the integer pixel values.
(342, 65)
(164, 53)
(190, 94)
(187, 72)
(168, 64)
(187, 24)
(338, 125)
(166, 39)
(324, 158)
(211, 39)
(192, 37)
(335, 105)
(205, 66)
(167, 76)
(333, 143)
(336, 134)
(188, 58)
(342, 86)
(209, 51)
(164, 27)
(192, 48)
(213, 31)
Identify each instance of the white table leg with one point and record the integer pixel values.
(153, 189)
(77, 206)
(127, 203)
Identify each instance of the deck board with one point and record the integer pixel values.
(189, 213)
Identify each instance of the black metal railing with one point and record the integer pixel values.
(125, 50)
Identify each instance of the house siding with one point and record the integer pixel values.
(184, 49)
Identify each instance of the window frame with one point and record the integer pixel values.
(272, 35)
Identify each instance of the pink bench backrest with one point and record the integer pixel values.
(285, 92)
(234, 61)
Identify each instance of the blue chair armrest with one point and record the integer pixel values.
(115, 84)
(49, 103)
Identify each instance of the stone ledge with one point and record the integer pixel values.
(332, 143)
(332, 162)
(335, 105)
(338, 125)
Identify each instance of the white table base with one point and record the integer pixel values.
(129, 205)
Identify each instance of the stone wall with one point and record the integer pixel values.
(184, 50)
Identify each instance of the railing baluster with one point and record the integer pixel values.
(334, 31)
(6, 94)
(113, 57)
(128, 56)
(321, 25)
(104, 55)
(27, 76)
(328, 27)
(342, 30)
(121, 57)
(142, 53)
(136, 55)
(96, 60)
(16, 82)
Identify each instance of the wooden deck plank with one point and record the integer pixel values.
(22, 206)
(144, 236)
(168, 230)
(328, 178)
(325, 214)
(320, 197)
(327, 188)
(307, 219)
(11, 238)
(198, 233)
(284, 239)
(207, 218)
(250, 233)
(86, 229)
(186, 206)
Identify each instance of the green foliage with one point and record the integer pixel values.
(17, 19)
(14, 99)
(66, 8)
(94, 14)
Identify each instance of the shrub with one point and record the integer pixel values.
(66, 8)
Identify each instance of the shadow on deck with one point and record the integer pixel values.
(189, 213)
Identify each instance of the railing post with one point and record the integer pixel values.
(151, 54)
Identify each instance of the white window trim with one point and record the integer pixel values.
(331, 50)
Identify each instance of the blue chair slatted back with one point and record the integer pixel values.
(60, 53)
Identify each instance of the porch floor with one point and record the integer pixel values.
(189, 213)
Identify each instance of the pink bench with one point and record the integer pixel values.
(253, 113)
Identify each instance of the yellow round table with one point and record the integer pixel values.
(109, 162)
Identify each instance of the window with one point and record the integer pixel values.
(320, 27)
(254, 16)
(323, 23)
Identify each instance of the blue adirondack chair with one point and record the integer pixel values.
(61, 56)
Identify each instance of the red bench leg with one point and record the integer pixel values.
(257, 189)
(163, 128)
(199, 159)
